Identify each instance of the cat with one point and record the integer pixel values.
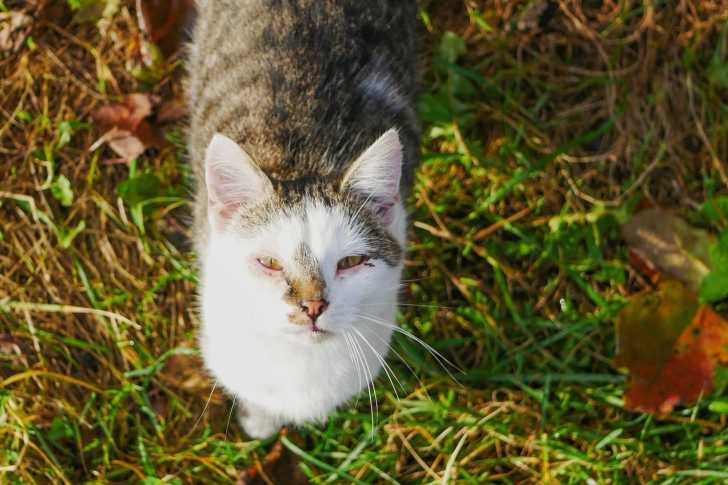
(303, 140)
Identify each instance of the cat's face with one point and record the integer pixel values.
(305, 264)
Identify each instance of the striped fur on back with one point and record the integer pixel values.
(304, 86)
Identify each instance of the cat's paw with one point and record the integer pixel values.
(256, 422)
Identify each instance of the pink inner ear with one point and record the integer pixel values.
(224, 211)
(233, 179)
(376, 175)
(384, 209)
(221, 202)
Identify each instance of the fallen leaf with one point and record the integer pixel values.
(670, 345)
(126, 115)
(12, 354)
(124, 143)
(127, 130)
(670, 244)
(14, 28)
(165, 22)
(645, 267)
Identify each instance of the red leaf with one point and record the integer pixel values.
(670, 345)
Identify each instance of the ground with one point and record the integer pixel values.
(545, 124)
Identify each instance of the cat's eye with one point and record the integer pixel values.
(350, 262)
(270, 263)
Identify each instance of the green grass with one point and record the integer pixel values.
(538, 141)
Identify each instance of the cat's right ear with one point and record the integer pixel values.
(233, 180)
(375, 175)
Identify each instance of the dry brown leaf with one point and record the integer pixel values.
(126, 115)
(14, 28)
(123, 142)
(12, 355)
(671, 245)
(127, 131)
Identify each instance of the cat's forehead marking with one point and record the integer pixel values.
(307, 282)
(306, 260)
(305, 289)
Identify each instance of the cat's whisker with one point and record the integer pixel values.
(230, 415)
(374, 404)
(414, 280)
(390, 371)
(351, 357)
(436, 354)
(402, 359)
(387, 370)
(416, 305)
(347, 339)
(360, 365)
(368, 380)
(207, 403)
(359, 370)
(371, 382)
(438, 307)
(399, 287)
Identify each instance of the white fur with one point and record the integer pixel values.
(282, 372)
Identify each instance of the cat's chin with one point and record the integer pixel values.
(308, 334)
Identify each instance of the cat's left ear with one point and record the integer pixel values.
(376, 173)
(233, 180)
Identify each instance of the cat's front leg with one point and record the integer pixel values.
(256, 421)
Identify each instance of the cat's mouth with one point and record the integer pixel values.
(310, 331)
(318, 334)
(315, 329)
(305, 324)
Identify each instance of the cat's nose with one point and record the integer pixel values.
(314, 308)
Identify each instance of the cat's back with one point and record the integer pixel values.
(303, 85)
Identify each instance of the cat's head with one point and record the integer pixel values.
(302, 259)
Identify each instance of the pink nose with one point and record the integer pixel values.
(314, 308)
